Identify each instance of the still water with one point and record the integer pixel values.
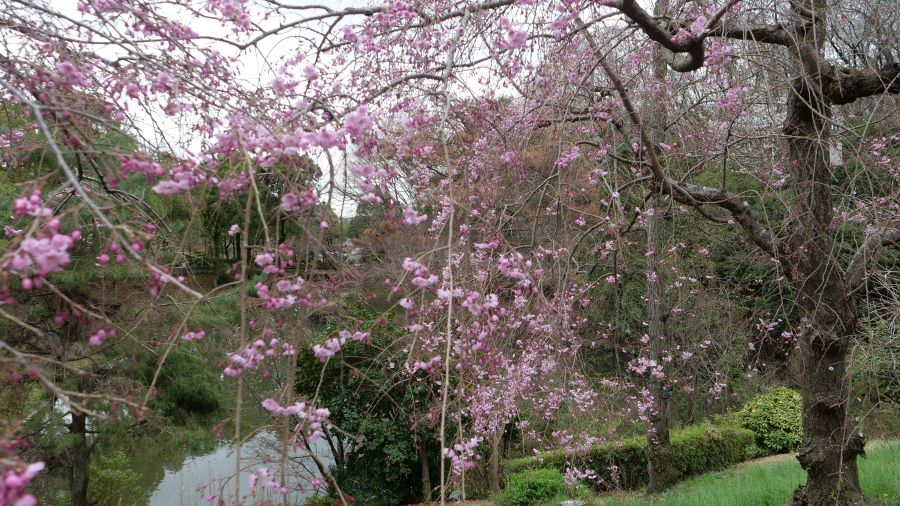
(199, 476)
(180, 478)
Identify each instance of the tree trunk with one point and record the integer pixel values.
(425, 479)
(831, 443)
(79, 460)
(494, 467)
(658, 442)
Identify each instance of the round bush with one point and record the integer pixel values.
(776, 417)
(531, 487)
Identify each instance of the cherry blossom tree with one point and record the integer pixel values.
(234, 98)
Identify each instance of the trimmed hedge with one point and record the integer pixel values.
(623, 464)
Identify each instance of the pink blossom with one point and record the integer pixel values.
(169, 187)
(30, 206)
(371, 198)
(718, 54)
(293, 202)
(194, 335)
(45, 255)
(100, 335)
(568, 157)
(363, 171)
(310, 73)
(358, 122)
(312, 421)
(282, 87)
(264, 259)
(164, 82)
(698, 26)
(70, 74)
(328, 348)
(513, 39)
(13, 484)
(411, 217)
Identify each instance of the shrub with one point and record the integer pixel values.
(776, 418)
(623, 464)
(380, 464)
(383, 469)
(113, 482)
(532, 487)
(201, 395)
(320, 500)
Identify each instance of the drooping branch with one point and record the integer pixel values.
(691, 195)
(868, 251)
(332, 14)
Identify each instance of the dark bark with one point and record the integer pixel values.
(739, 209)
(425, 479)
(336, 450)
(769, 34)
(844, 85)
(690, 53)
(856, 270)
(825, 291)
(831, 442)
(79, 460)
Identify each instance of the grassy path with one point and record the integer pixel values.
(768, 481)
(771, 481)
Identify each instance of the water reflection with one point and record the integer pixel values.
(201, 476)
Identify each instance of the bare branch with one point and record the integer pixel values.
(869, 250)
(768, 34)
(737, 207)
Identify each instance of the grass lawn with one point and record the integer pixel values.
(770, 481)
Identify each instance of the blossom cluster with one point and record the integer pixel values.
(252, 355)
(312, 418)
(13, 482)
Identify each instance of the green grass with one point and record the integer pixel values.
(770, 483)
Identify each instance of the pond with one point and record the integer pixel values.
(182, 478)
(198, 476)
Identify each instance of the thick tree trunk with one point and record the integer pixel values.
(831, 442)
(79, 460)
